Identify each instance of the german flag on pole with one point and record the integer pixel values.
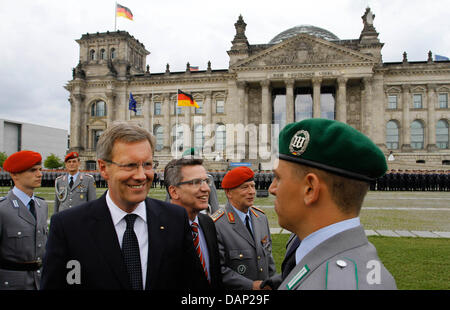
(123, 11)
(186, 100)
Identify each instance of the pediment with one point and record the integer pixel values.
(302, 50)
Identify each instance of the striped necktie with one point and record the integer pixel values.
(196, 240)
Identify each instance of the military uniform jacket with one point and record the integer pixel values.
(242, 258)
(83, 190)
(346, 261)
(22, 239)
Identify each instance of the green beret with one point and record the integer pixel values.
(190, 152)
(332, 146)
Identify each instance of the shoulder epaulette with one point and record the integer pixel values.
(39, 197)
(258, 209)
(60, 176)
(87, 174)
(2, 198)
(217, 215)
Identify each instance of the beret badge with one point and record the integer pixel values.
(299, 142)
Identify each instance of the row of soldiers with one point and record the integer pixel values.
(394, 180)
(413, 180)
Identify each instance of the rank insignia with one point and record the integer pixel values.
(217, 215)
(299, 142)
(230, 217)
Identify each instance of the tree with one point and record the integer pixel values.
(3, 157)
(53, 162)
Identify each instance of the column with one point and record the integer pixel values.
(110, 107)
(341, 104)
(75, 121)
(166, 125)
(266, 119)
(406, 103)
(366, 107)
(208, 107)
(241, 86)
(431, 127)
(316, 81)
(146, 110)
(290, 110)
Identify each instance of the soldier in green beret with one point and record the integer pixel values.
(321, 179)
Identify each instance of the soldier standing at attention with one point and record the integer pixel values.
(23, 224)
(321, 179)
(75, 187)
(243, 234)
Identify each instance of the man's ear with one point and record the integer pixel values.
(173, 192)
(102, 168)
(311, 189)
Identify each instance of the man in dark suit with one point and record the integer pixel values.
(189, 186)
(123, 240)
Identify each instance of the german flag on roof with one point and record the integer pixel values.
(124, 11)
(186, 100)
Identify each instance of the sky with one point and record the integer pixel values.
(38, 48)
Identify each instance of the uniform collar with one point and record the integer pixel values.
(22, 196)
(75, 176)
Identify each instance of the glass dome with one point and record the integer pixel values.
(311, 30)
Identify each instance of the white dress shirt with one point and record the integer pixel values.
(140, 229)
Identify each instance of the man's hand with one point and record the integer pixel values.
(257, 286)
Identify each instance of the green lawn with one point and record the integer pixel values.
(415, 263)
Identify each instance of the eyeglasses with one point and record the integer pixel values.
(197, 182)
(147, 166)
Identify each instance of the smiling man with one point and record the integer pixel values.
(75, 187)
(243, 234)
(23, 224)
(123, 240)
(188, 185)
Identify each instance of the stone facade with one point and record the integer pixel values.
(363, 91)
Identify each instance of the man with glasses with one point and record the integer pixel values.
(23, 224)
(123, 240)
(188, 185)
(243, 234)
(75, 187)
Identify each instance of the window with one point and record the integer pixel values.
(113, 53)
(417, 101)
(327, 103)
(177, 109)
(91, 165)
(443, 101)
(98, 109)
(177, 138)
(442, 134)
(92, 55)
(199, 138)
(200, 109)
(157, 108)
(303, 104)
(102, 54)
(221, 137)
(279, 106)
(138, 109)
(392, 137)
(159, 134)
(417, 135)
(392, 102)
(220, 106)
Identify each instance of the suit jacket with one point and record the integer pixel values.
(83, 190)
(243, 258)
(345, 261)
(22, 239)
(209, 230)
(86, 234)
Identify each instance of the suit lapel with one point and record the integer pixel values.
(105, 236)
(341, 242)
(156, 236)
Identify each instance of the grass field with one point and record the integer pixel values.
(415, 263)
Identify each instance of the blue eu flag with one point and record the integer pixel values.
(132, 103)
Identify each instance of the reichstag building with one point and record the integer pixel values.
(302, 72)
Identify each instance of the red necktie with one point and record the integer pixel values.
(196, 239)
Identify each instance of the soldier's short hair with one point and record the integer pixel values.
(123, 132)
(172, 171)
(347, 193)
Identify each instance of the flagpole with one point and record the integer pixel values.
(115, 16)
(176, 125)
(152, 112)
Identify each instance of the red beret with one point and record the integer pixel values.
(71, 155)
(21, 161)
(236, 177)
